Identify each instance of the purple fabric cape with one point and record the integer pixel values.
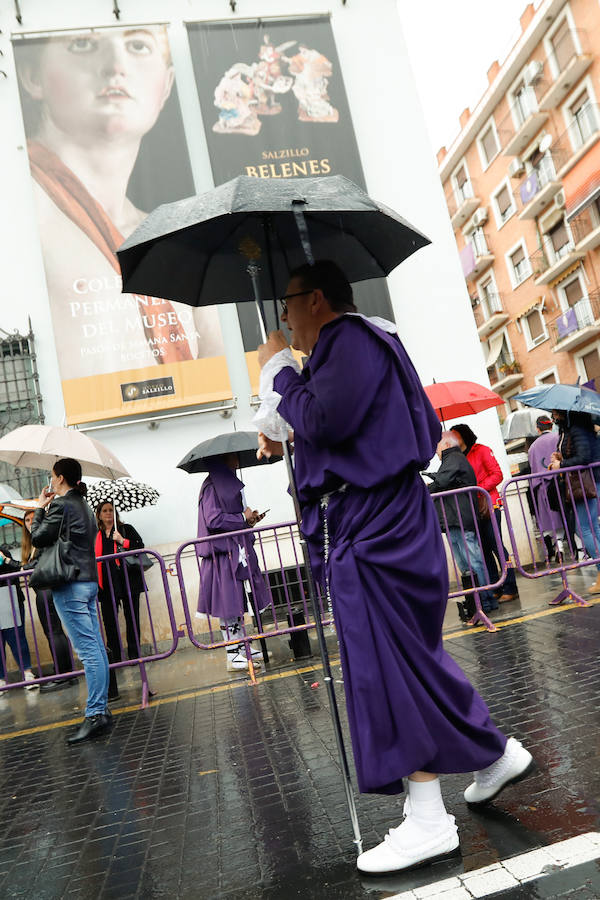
(539, 458)
(360, 416)
(220, 510)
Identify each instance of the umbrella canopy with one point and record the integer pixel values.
(40, 446)
(455, 399)
(15, 512)
(125, 493)
(197, 250)
(244, 443)
(569, 397)
(521, 423)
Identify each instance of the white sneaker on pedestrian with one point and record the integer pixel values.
(515, 763)
(2, 682)
(410, 846)
(29, 676)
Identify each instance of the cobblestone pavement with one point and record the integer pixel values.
(234, 791)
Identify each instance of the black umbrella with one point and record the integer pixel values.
(197, 250)
(208, 249)
(244, 443)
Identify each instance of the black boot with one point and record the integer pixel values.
(467, 607)
(90, 727)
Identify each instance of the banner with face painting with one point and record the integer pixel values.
(106, 145)
(274, 106)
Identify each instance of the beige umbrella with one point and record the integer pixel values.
(39, 446)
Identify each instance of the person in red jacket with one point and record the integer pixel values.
(489, 476)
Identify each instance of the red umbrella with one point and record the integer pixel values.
(455, 399)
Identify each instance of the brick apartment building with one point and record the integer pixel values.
(522, 184)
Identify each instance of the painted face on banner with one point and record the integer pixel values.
(109, 84)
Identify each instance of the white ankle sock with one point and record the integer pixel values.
(426, 802)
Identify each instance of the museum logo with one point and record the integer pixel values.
(145, 390)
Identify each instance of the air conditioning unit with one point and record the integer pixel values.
(533, 71)
(480, 217)
(516, 167)
(560, 201)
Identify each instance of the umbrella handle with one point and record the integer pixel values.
(327, 677)
(253, 271)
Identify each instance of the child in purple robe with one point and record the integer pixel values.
(363, 429)
(227, 563)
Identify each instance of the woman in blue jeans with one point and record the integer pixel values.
(576, 447)
(63, 505)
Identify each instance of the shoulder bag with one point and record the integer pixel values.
(54, 567)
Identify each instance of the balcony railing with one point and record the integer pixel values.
(462, 202)
(583, 316)
(586, 230)
(502, 370)
(538, 187)
(583, 129)
(567, 62)
(522, 123)
(487, 307)
(545, 260)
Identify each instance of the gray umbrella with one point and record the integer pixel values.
(197, 250)
(244, 443)
(521, 423)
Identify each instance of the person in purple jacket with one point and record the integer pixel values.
(363, 429)
(228, 562)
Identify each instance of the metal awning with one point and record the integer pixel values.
(527, 309)
(495, 350)
(565, 274)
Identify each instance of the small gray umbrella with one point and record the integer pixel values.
(521, 423)
(197, 250)
(244, 443)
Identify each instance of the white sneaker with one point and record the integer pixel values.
(410, 846)
(515, 763)
(236, 660)
(29, 676)
(2, 683)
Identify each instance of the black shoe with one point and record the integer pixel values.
(112, 697)
(90, 727)
(49, 686)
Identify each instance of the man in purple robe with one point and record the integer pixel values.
(228, 562)
(363, 429)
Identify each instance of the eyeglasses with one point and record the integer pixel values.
(283, 300)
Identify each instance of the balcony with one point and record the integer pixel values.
(505, 375)
(462, 203)
(548, 263)
(490, 316)
(538, 189)
(476, 256)
(569, 60)
(574, 143)
(521, 124)
(587, 231)
(577, 324)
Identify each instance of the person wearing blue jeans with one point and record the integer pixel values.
(468, 556)
(577, 447)
(75, 601)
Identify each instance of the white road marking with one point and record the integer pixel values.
(511, 872)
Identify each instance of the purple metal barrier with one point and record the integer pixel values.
(18, 601)
(467, 519)
(558, 517)
(281, 583)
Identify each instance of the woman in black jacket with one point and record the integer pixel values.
(118, 573)
(576, 447)
(75, 601)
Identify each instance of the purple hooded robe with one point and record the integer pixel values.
(222, 572)
(361, 418)
(539, 459)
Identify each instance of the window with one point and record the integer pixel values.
(560, 239)
(504, 204)
(573, 292)
(583, 119)
(534, 329)
(479, 243)
(488, 295)
(520, 265)
(591, 365)
(550, 378)
(563, 46)
(463, 188)
(524, 103)
(513, 404)
(489, 144)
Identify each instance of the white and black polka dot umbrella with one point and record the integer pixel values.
(124, 493)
